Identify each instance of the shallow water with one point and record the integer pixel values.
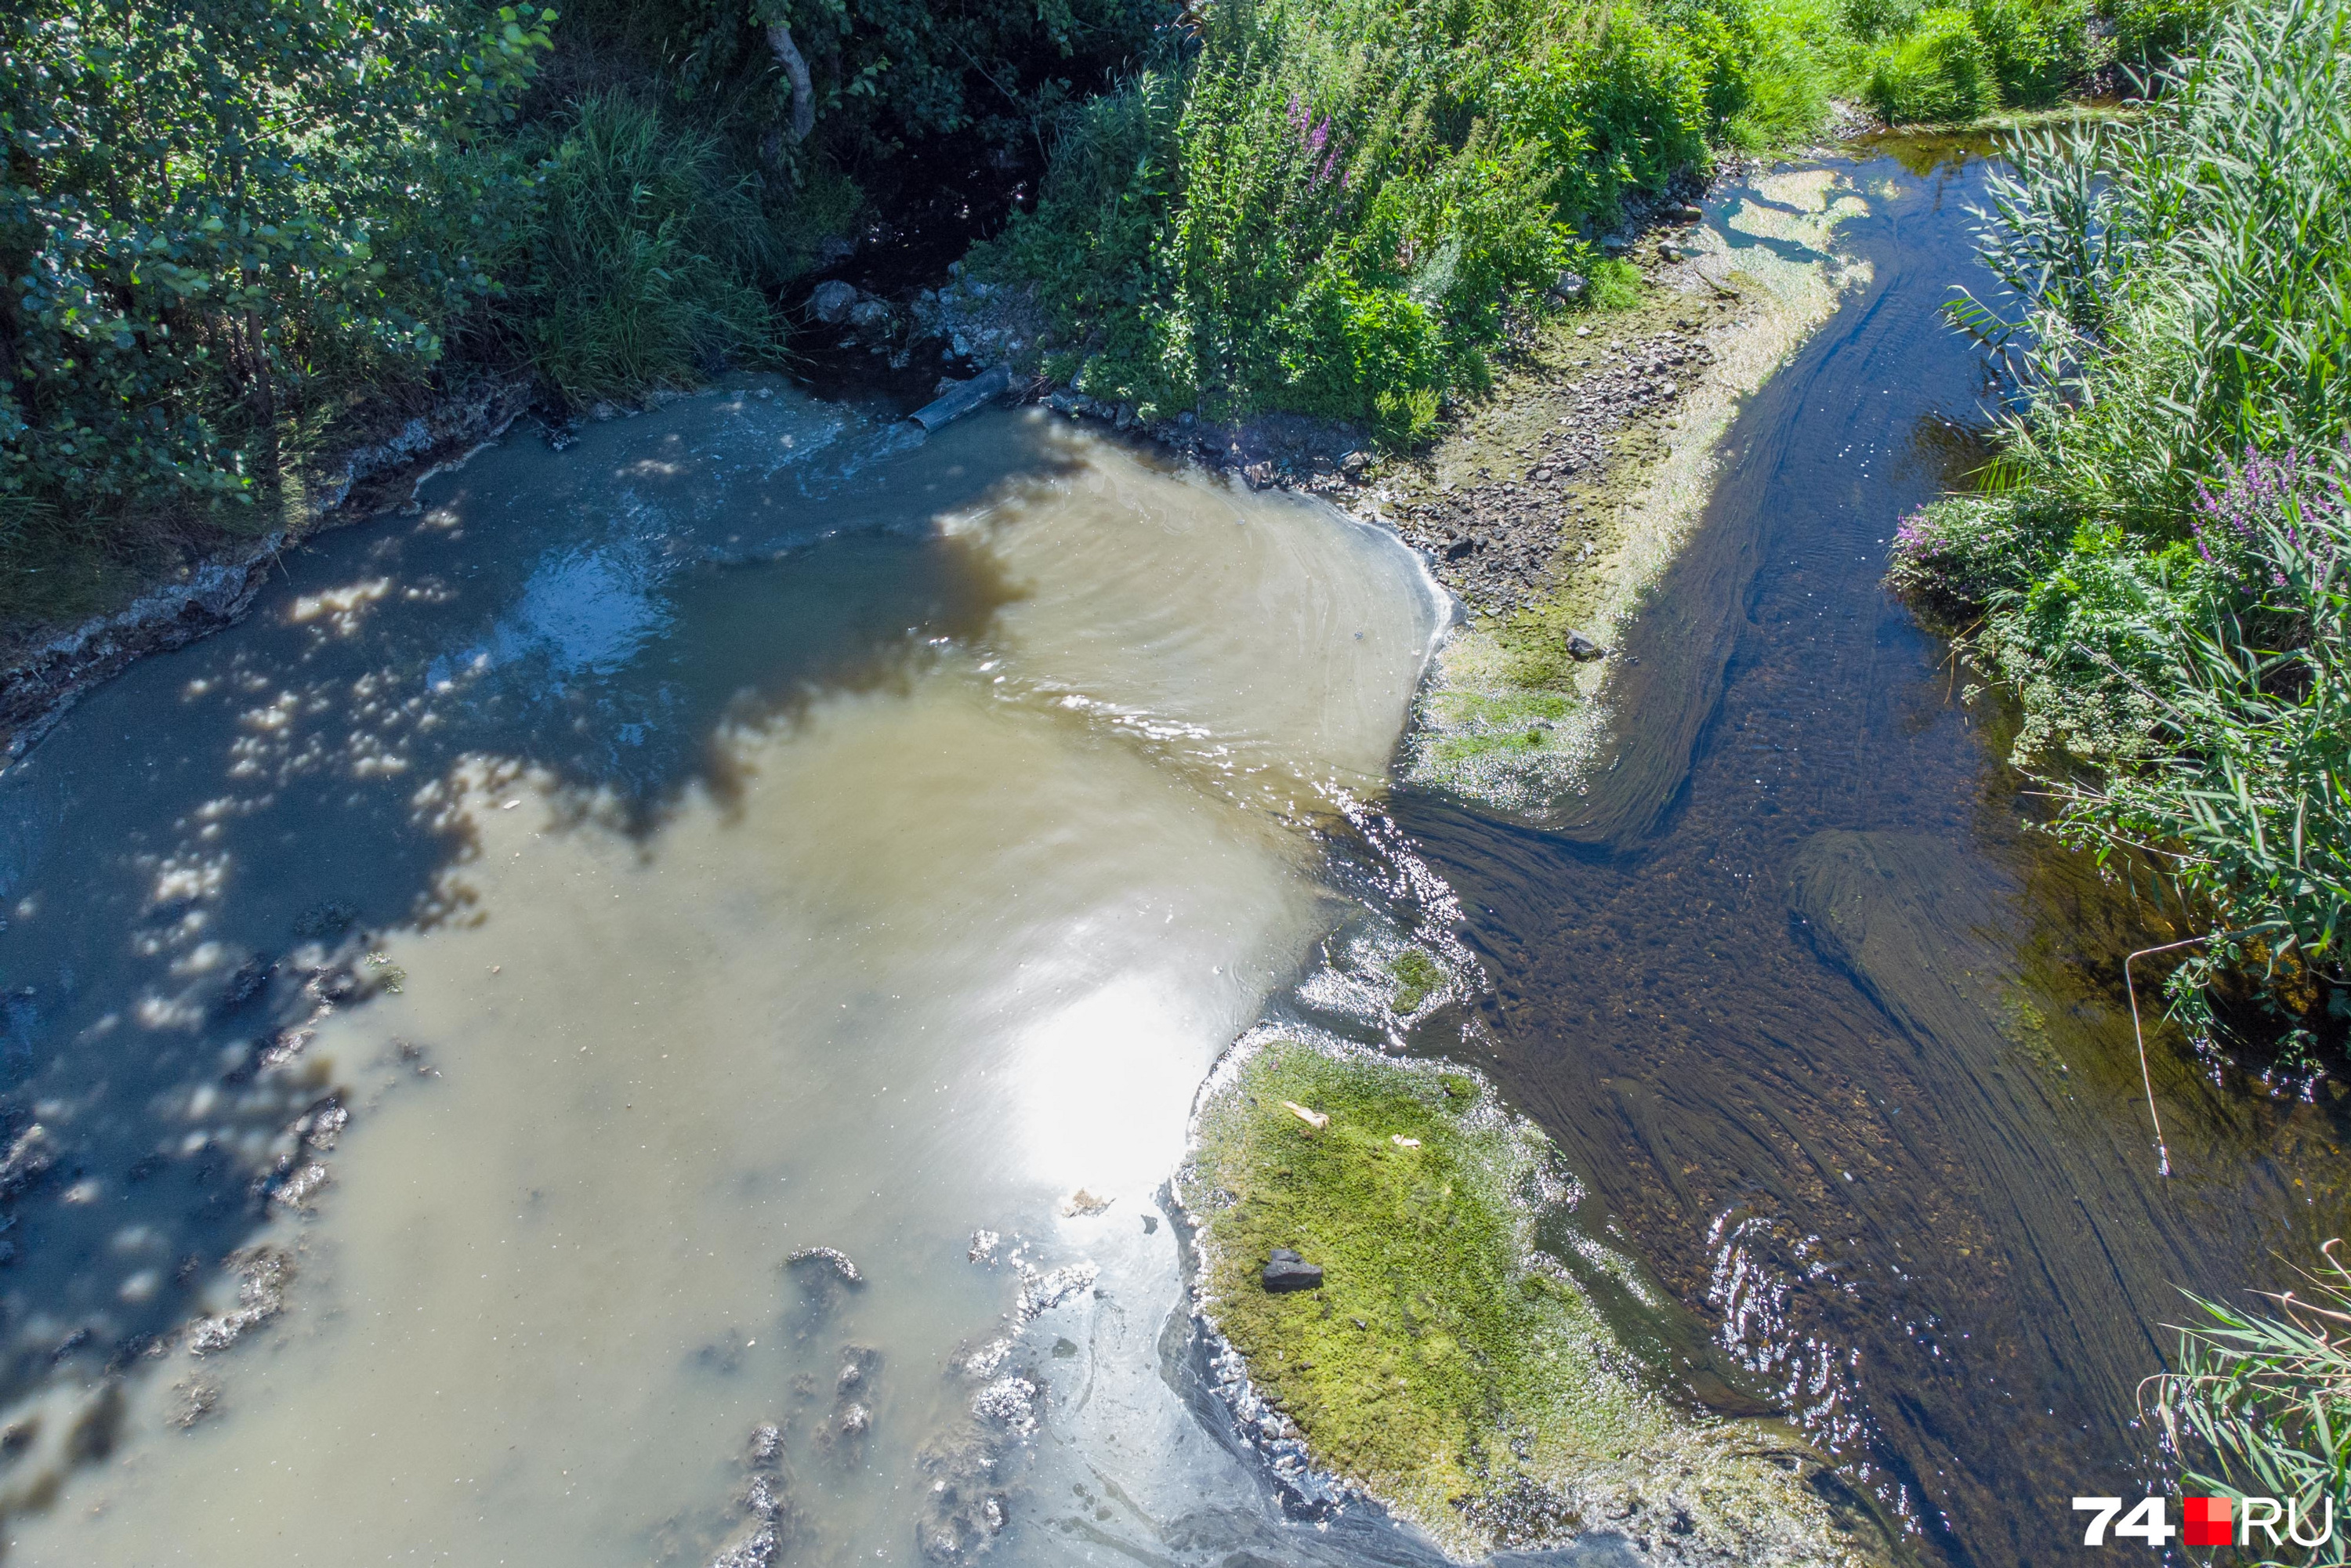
(769, 836)
(1836, 1038)
(754, 829)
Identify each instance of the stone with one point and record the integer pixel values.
(1582, 649)
(1571, 285)
(1259, 476)
(833, 300)
(1684, 213)
(831, 1258)
(1286, 1270)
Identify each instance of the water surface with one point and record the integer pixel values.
(749, 832)
(756, 830)
(1838, 1039)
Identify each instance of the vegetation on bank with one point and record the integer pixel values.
(229, 227)
(1342, 208)
(1445, 1364)
(2156, 562)
(2261, 1407)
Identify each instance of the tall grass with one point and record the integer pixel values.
(646, 264)
(1332, 208)
(2261, 1406)
(2158, 566)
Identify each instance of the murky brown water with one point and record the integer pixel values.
(959, 853)
(752, 832)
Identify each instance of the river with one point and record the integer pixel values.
(757, 833)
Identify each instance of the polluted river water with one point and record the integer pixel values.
(647, 1006)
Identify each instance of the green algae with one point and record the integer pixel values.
(1417, 978)
(1447, 1367)
(1755, 306)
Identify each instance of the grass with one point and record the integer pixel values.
(646, 266)
(1447, 1364)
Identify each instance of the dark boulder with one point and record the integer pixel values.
(1286, 1270)
(832, 301)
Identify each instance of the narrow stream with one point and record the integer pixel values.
(644, 1008)
(1833, 1036)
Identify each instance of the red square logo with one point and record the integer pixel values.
(2207, 1521)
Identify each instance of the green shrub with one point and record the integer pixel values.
(2148, 32)
(213, 227)
(2037, 51)
(1955, 556)
(1331, 208)
(1938, 72)
(646, 265)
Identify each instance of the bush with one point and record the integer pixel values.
(2037, 51)
(1329, 209)
(1955, 556)
(1939, 72)
(213, 228)
(2149, 32)
(2174, 620)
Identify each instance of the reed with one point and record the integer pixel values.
(2261, 1405)
(2156, 562)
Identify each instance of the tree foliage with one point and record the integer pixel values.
(213, 213)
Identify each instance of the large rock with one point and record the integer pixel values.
(832, 302)
(1286, 1270)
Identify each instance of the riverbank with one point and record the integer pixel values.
(1554, 509)
(45, 668)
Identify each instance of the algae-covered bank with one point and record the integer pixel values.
(1454, 1362)
(1587, 472)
